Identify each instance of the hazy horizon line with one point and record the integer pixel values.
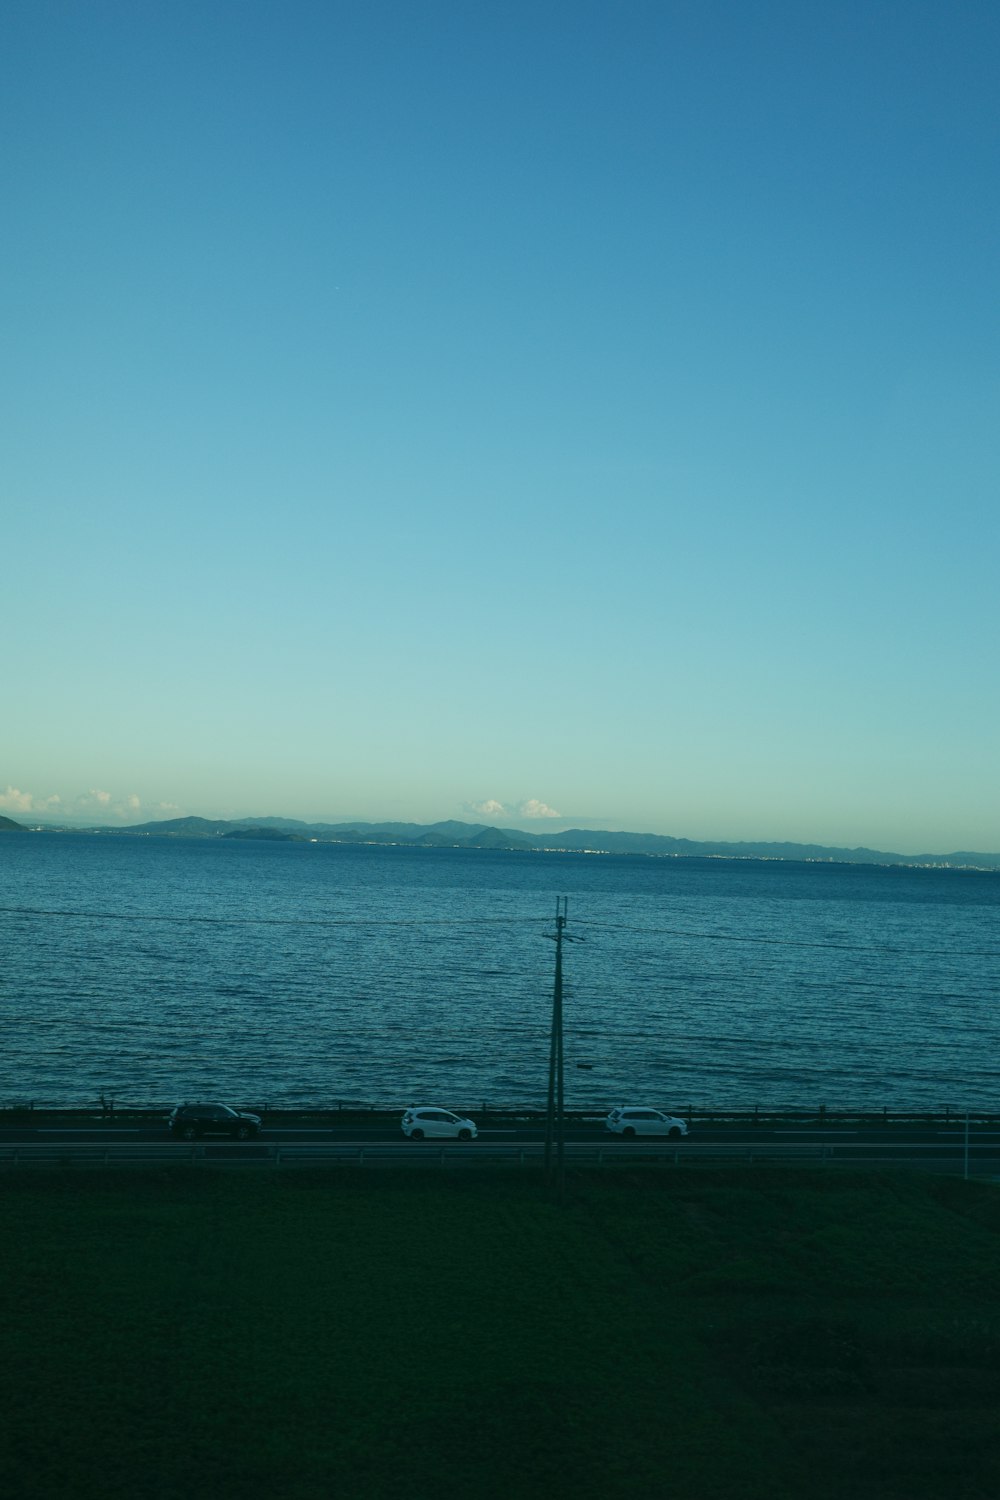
(554, 825)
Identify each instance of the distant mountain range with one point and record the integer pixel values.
(455, 835)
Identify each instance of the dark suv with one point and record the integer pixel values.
(192, 1120)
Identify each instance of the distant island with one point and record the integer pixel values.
(456, 835)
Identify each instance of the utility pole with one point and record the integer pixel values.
(554, 1125)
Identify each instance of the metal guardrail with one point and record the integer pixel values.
(96, 1153)
(981, 1159)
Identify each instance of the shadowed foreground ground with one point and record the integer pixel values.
(693, 1335)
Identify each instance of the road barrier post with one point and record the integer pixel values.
(966, 1145)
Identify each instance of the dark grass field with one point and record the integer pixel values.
(367, 1334)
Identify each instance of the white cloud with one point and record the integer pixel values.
(97, 801)
(532, 808)
(529, 808)
(491, 808)
(16, 800)
(26, 802)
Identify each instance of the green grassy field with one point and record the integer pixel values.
(684, 1334)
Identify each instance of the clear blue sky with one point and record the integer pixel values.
(578, 407)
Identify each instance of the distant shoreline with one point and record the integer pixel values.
(494, 840)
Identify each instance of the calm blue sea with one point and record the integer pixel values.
(156, 969)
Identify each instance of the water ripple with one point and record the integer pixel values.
(158, 969)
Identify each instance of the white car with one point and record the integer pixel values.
(439, 1124)
(631, 1120)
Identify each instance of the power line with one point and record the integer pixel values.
(192, 919)
(772, 942)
